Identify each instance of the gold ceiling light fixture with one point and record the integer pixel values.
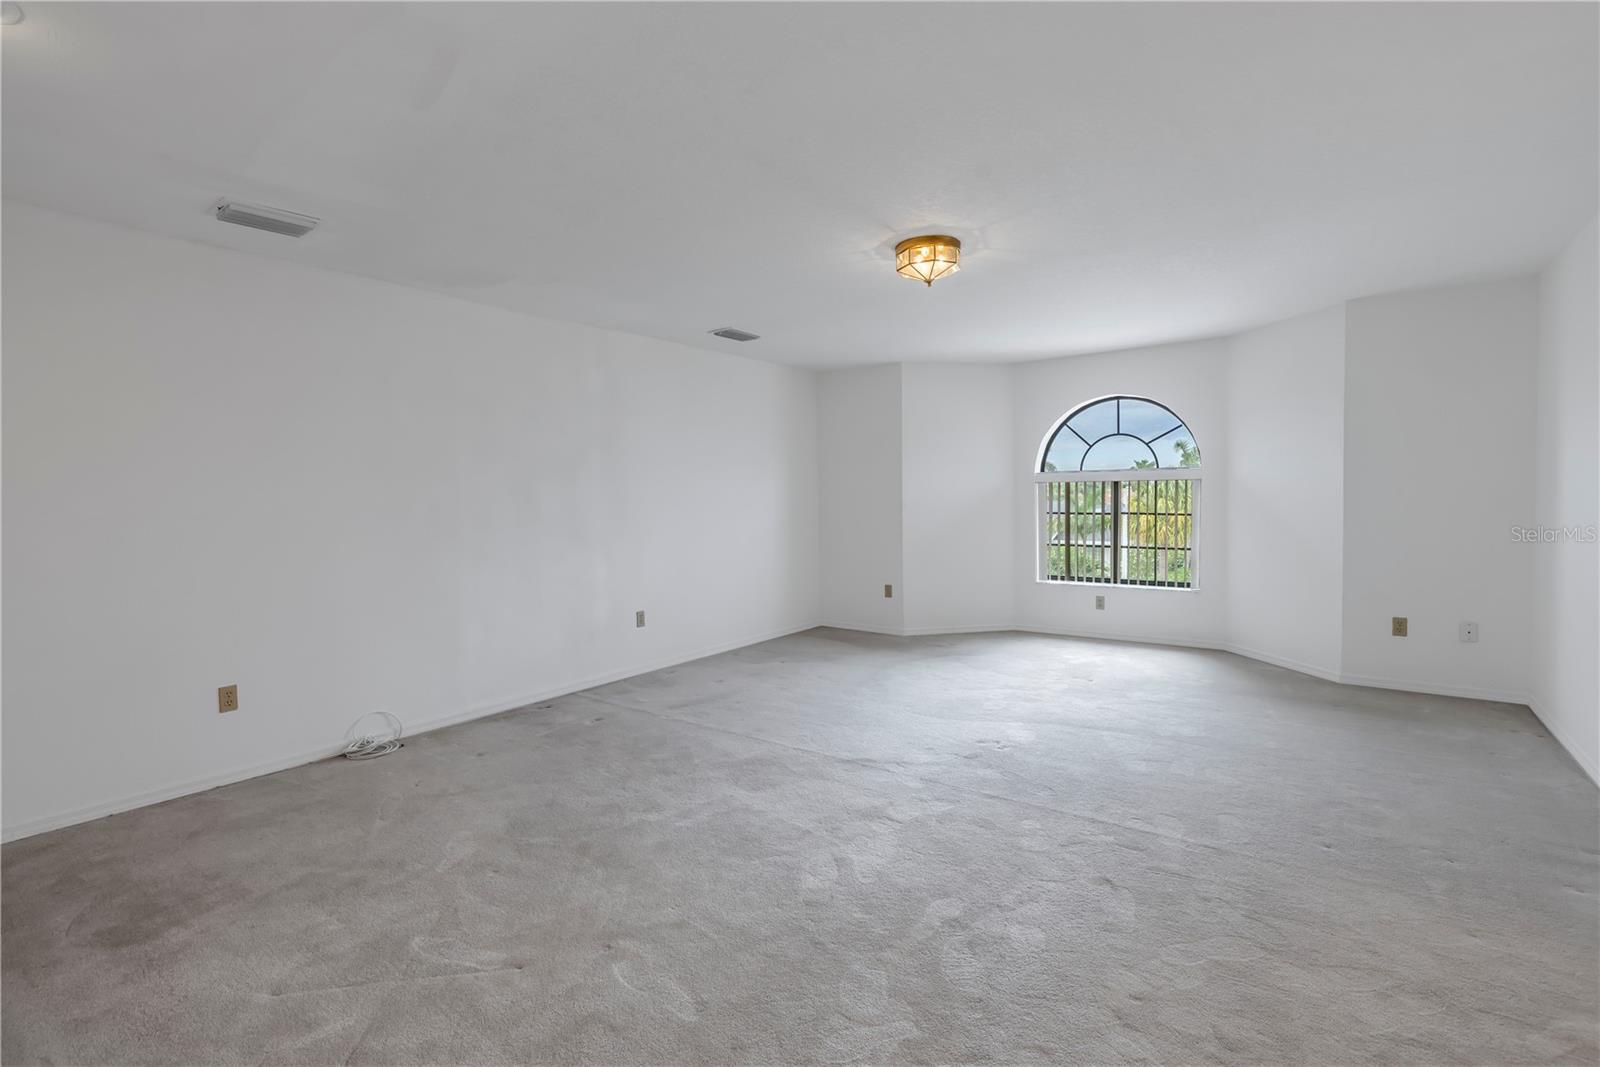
(927, 259)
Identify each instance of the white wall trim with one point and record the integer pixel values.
(1325, 673)
(1138, 639)
(863, 627)
(1464, 692)
(935, 631)
(1010, 627)
(1468, 692)
(101, 809)
(200, 785)
(1549, 723)
(917, 631)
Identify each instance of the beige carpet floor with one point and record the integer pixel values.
(842, 848)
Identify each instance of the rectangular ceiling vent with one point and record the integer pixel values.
(271, 219)
(735, 335)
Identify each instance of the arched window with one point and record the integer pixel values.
(1119, 433)
(1119, 496)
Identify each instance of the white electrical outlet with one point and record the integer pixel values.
(638, 620)
(1469, 633)
(1099, 603)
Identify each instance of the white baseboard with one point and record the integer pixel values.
(568, 688)
(915, 631)
(1326, 674)
(862, 627)
(1579, 757)
(100, 809)
(1469, 692)
(1016, 628)
(1285, 662)
(1137, 639)
(1400, 685)
(199, 785)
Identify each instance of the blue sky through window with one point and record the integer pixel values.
(1120, 433)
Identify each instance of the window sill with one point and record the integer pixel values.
(1101, 586)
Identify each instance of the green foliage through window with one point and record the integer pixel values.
(1127, 532)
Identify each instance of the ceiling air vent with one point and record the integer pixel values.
(735, 335)
(271, 219)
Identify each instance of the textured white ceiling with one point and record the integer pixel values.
(1121, 174)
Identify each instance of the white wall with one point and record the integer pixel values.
(1191, 379)
(858, 427)
(345, 495)
(1565, 685)
(1285, 545)
(958, 489)
(1439, 396)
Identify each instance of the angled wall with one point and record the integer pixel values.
(1565, 686)
(917, 495)
(1438, 469)
(1361, 462)
(957, 492)
(1286, 440)
(859, 449)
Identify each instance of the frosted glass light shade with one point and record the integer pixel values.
(927, 259)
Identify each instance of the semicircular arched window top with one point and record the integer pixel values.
(1120, 433)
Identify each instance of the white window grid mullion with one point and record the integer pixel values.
(1041, 499)
(1154, 474)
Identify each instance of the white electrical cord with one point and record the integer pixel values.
(371, 746)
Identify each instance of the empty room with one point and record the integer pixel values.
(783, 533)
